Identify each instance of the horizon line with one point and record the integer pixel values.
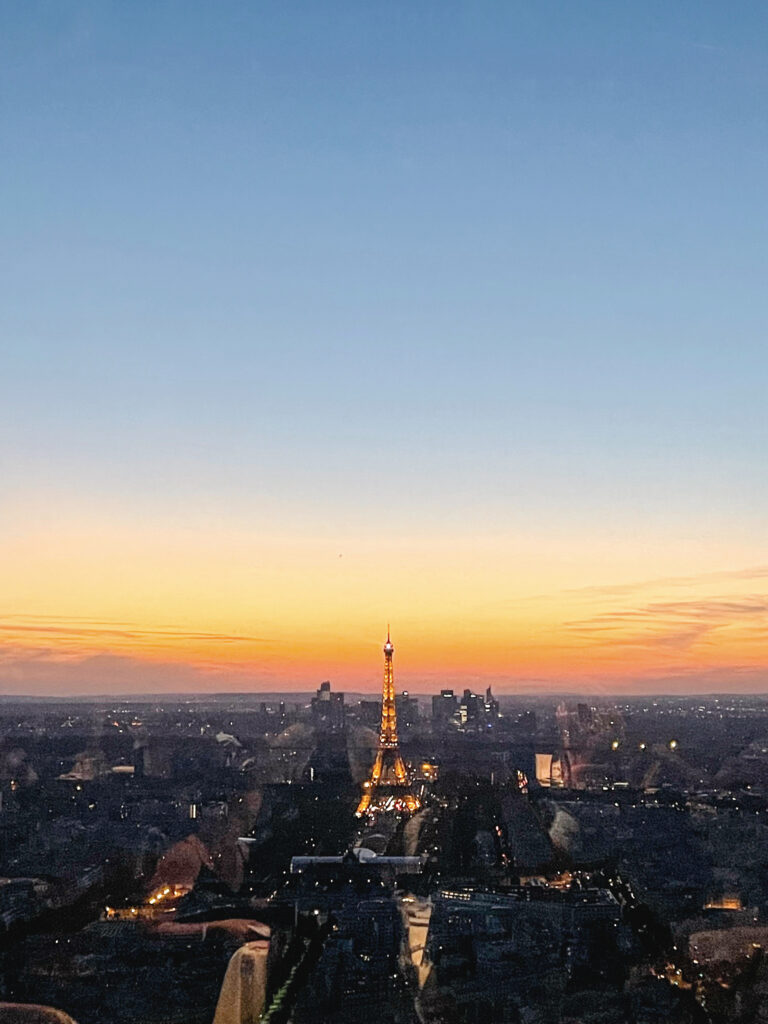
(194, 694)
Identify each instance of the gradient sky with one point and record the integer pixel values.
(315, 316)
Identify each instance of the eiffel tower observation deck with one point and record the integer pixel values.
(388, 786)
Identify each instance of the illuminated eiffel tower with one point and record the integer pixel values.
(387, 789)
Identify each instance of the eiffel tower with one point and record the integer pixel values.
(388, 788)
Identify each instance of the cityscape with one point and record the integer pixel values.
(383, 512)
(453, 858)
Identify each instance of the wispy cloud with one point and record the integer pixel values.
(677, 625)
(44, 671)
(727, 576)
(21, 626)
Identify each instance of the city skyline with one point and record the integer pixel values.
(448, 317)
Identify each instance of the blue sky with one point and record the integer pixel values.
(515, 252)
(537, 222)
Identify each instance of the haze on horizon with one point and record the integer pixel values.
(315, 317)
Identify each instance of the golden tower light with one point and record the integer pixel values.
(388, 768)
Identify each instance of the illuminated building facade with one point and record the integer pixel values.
(388, 786)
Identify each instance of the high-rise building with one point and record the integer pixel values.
(491, 706)
(470, 706)
(407, 710)
(328, 709)
(443, 708)
(369, 713)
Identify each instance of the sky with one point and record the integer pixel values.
(315, 317)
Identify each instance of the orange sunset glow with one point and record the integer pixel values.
(119, 605)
